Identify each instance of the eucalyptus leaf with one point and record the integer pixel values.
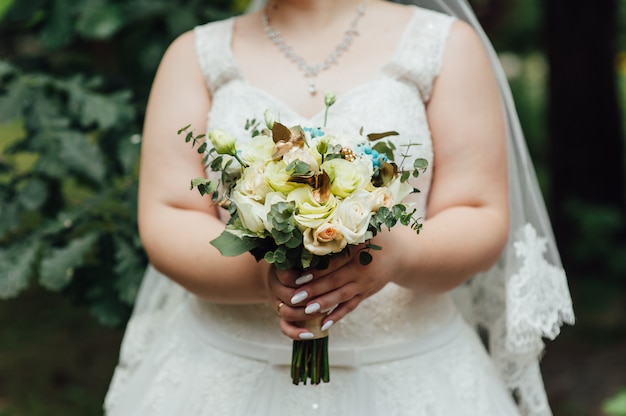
(365, 258)
(230, 245)
(420, 163)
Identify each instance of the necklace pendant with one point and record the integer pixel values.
(312, 87)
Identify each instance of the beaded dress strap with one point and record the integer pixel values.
(420, 53)
(213, 48)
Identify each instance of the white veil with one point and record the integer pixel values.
(524, 297)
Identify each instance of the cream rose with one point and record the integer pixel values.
(251, 213)
(347, 177)
(277, 177)
(311, 213)
(259, 149)
(353, 215)
(380, 197)
(324, 240)
(253, 184)
(304, 154)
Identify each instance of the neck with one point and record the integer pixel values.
(313, 14)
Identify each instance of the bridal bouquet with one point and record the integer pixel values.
(299, 195)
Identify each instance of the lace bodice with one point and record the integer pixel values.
(394, 313)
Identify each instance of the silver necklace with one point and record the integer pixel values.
(311, 71)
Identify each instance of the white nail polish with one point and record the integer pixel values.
(312, 308)
(299, 297)
(329, 310)
(305, 278)
(306, 335)
(327, 325)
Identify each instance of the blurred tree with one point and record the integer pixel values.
(588, 192)
(69, 141)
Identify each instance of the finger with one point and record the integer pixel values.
(294, 332)
(322, 285)
(340, 312)
(330, 300)
(287, 277)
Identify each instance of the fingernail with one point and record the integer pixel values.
(327, 325)
(312, 308)
(329, 310)
(299, 297)
(305, 278)
(306, 335)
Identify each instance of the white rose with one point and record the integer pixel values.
(251, 213)
(354, 215)
(324, 240)
(253, 184)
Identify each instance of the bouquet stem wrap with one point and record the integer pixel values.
(309, 359)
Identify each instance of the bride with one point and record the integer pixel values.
(211, 335)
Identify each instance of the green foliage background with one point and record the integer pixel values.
(74, 78)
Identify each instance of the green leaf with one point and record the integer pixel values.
(230, 245)
(58, 266)
(298, 167)
(14, 99)
(269, 257)
(99, 21)
(82, 156)
(420, 163)
(34, 194)
(281, 237)
(384, 148)
(365, 258)
(17, 267)
(58, 29)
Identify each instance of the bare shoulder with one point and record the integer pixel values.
(182, 46)
(463, 41)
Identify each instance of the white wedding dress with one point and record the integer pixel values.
(398, 353)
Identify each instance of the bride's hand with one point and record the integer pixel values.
(335, 291)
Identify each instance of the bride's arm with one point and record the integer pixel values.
(467, 217)
(175, 223)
